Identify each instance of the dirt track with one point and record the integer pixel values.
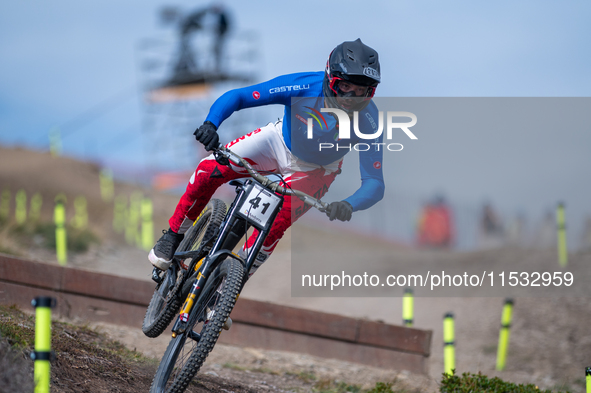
(550, 337)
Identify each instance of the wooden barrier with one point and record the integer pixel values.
(98, 297)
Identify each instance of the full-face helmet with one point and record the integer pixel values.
(351, 77)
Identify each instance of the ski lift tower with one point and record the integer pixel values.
(182, 74)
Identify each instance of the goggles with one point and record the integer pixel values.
(334, 86)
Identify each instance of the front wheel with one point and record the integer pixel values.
(165, 302)
(187, 351)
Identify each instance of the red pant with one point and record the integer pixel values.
(209, 175)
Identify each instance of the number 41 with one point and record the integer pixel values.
(255, 203)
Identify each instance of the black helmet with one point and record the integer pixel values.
(354, 62)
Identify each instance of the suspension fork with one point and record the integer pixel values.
(211, 262)
(226, 235)
(209, 265)
(229, 235)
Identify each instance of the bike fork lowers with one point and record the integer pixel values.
(236, 216)
(189, 303)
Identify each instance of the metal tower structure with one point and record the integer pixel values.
(180, 75)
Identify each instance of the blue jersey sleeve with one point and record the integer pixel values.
(370, 165)
(372, 181)
(279, 90)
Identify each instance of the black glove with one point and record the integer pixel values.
(207, 135)
(340, 210)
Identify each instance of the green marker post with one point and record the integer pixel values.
(119, 213)
(408, 307)
(449, 351)
(20, 212)
(35, 211)
(504, 334)
(42, 354)
(129, 229)
(588, 379)
(4, 205)
(80, 220)
(61, 245)
(561, 228)
(147, 224)
(55, 142)
(133, 219)
(106, 183)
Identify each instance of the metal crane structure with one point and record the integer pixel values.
(180, 75)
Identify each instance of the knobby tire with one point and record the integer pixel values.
(187, 365)
(163, 307)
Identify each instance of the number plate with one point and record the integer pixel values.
(259, 205)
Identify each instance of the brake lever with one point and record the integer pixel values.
(221, 159)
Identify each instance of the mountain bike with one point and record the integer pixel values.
(206, 277)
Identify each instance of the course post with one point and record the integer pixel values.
(106, 183)
(4, 205)
(55, 142)
(561, 229)
(119, 213)
(132, 233)
(20, 211)
(588, 379)
(504, 334)
(80, 220)
(147, 224)
(35, 211)
(408, 307)
(449, 355)
(42, 354)
(59, 217)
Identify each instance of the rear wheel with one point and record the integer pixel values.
(187, 351)
(165, 302)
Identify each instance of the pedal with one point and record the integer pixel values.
(156, 275)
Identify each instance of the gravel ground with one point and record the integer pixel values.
(550, 336)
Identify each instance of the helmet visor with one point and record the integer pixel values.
(344, 88)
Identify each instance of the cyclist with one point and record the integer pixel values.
(348, 83)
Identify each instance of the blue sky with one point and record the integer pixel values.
(74, 64)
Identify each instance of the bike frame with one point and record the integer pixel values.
(259, 189)
(222, 248)
(203, 283)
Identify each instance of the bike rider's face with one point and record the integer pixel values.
(348, 92)
(358, 91)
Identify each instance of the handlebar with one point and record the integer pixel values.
(223, 152)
